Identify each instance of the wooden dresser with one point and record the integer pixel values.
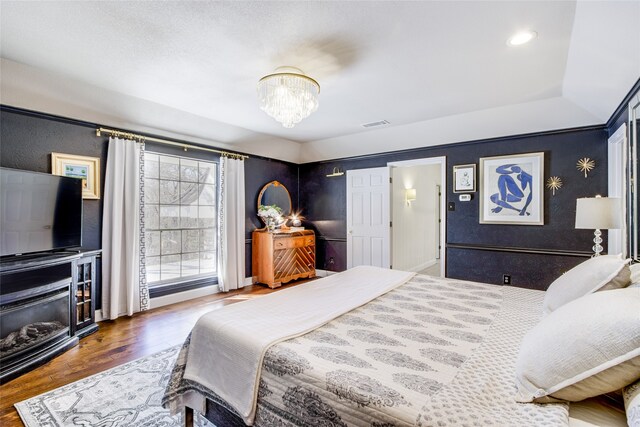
(282, 256)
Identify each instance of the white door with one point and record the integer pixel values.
(368, 226)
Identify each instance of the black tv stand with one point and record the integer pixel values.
(39, 256)
(48, 298)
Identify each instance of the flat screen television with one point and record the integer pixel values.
(39, 212)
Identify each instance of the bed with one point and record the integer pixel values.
(428, 351)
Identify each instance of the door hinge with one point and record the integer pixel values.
(390, 180)
(390, 223)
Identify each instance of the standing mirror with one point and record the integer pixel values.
(632, 200)
(275, 193)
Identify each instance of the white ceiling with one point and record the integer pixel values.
(191, 68)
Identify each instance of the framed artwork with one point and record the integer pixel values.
(512, 189)
(85, 168)
(464, 178)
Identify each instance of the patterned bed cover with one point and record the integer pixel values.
(432, 352)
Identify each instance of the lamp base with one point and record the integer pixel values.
(597, 247)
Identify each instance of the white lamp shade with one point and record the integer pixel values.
(598, 213)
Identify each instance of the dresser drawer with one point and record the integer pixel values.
(288, 254)
(292, 242)
(293, 261)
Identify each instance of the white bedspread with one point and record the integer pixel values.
(228, 345)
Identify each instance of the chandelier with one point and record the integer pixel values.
(288, 95)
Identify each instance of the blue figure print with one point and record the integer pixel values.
(511, 192)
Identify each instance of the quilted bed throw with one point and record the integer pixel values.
(228, 346)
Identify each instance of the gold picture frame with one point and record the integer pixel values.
(81, 167)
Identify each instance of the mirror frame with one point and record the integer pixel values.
(274, 183)
(632, 167)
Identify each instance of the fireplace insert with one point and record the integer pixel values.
(33, 323)
(35, 312)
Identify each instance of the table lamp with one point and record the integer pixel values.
(598, 213)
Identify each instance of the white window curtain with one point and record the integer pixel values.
(231, 221)
(124, 285)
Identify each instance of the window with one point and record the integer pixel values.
(180, 218)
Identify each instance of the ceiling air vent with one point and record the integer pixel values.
(374, 124)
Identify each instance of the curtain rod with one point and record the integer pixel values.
(129, 135)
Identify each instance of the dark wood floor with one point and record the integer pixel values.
(118, 342)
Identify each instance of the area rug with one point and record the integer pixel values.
(127, 395)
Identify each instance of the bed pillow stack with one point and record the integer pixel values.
(597, 274)
(589, 342)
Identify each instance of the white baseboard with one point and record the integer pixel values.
(182, 296)
(187, 295)
(324, 273)
(197, 293)
(424, 265)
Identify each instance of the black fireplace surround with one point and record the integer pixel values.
(36, 311)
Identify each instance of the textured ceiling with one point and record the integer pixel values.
(405, 62)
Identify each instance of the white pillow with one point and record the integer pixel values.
(596, 274)
(587, 347)
(631, 396)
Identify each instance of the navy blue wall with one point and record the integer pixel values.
(482, 252)
(27, 140)
(474, 251)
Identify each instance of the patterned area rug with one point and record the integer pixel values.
(127, 395)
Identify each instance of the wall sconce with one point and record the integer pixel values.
(336, 172)
(409, 195)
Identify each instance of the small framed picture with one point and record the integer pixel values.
(464, 178)
(81, 167)
(511, 189)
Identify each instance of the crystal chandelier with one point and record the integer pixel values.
(288, 95)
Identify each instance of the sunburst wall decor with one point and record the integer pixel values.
(586, 165)
(554, 183)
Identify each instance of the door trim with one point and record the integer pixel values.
(442, 161)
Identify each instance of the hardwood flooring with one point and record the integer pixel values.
(118, 342)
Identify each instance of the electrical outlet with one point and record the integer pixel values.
(506, 279)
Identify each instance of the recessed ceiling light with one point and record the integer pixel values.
(522, 38)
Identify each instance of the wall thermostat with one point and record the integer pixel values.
(464, 197)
